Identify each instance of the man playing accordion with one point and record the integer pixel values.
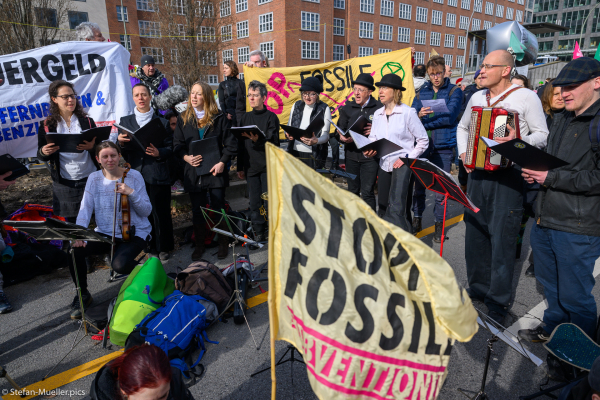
(491, 234)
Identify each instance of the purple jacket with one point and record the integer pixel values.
(164, 84)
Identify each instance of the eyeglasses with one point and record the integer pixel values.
(311, 94)
(437, 74)
(359, 90)
(253, 96)
(490, 66)
(68, 96)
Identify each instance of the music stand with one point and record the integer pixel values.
(54, 229)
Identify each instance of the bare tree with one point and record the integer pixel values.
(32, 23)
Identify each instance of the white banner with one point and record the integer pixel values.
(99, 72)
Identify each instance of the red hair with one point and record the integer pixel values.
(141, 367)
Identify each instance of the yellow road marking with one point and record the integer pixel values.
(431, 229)
(258, 299)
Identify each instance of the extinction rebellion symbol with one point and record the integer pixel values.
(519, 145)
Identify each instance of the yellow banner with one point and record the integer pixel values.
(372, 309)
(283, 83)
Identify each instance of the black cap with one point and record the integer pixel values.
(147, 60)
(594, 376)
(365, 80)
(392, 81)
(580, 70)
(312, 84)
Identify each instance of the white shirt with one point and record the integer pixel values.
(532, 120)
(143, 118)
(403, 128)
(74, 166)
(323, 136)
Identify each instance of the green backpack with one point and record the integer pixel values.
(142, 293)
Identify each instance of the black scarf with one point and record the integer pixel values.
(151, 83)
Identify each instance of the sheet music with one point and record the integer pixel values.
(360, 140)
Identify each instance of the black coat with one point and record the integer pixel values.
(86, 123)
(228, 146)
(349, 113)
(228, 91)
(154, 170)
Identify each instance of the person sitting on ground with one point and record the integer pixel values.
(520, 80)
(141, 373)
(89, 32)
(252, 160)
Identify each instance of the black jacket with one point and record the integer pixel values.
(86, 123)
(106, 386)
(251, 155)
(228, 146)
(349, 113)
(569, 199)
(228, 91)
(240, 102)
(154, 170)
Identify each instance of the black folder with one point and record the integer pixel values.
(9, 163)
(314, 127)
(383, 147)
(358, 126)
(209, 150)
(526, 155)
(153, 132)
(238, 130)
(68, 142)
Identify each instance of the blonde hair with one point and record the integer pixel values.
(397, 96)
(210, 107)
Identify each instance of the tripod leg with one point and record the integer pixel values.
(4, 374)
(75, 343)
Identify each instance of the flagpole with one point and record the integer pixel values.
(585, 22)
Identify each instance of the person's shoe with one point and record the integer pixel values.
(437, 236)
(177, 187)
(4, 304)
(496, 316)
(417, 227)
(164, 256)
(537, 335)
(89, 263)
(530, 271)
(199, 238)
(76, 307)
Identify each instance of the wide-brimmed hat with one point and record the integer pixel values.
(312, 84)
(392, 81)
(579, 70)
(365, 80)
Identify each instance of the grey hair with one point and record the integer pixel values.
(261, 87)
(85, 30)
(258, 53)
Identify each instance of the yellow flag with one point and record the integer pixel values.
(433, 53)
(283, 83)
(372, 309)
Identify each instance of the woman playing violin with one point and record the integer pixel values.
(99, 199)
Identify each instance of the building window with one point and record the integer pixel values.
(145, 5)
(268, 49)
(489, 8)
(367, 6)
(174, 56)
(464, 23)
(338, 26)
(226, 33)
(310, 50)
(261, 2)
(207, 57)
(449, 41)
(242, 29)
(499, 11)
(241, 76)
(403, 35)
(453, 3)
(420, 36)
(365, 30)
(519, 17)
(451, 20)
(207, 34)
(477, 6)
(149, 28)
(177, 80)
(122, 15)
(310, 21)
(569, 44)
(465, 4)
(522, 2)
(179, 6)
(76, 18)
(386, 32)
(365, 51)
(243, 54)
(225, 7)
(448, 59)
(545, 46)
(439, 1)
(241, 5)
(575, 3)
(574, 21)
(213, 79)
(387, 8)
(476, 25)
(546, 5)
(421, 14)
(178, 31)
(596, 21)
(228, 55)
(205, 9)
(382, 51)
(436, 17)
(435, 39)
(126, 44)
(487, 25)
(338, 52)
(405, 11)
(460, 60)
(156, 53)
(594, 42)
(341, 4)
(461, 42)
(265, 23)
(419, 57)
(46, 17)
(509, 13)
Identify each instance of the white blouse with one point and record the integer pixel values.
(74, 166)
(323, 136)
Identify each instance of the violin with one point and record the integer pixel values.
(127, 230)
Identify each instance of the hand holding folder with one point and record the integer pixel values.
(252, 130)
(153, 133)
(311, 130)
(8, 164)
(79, 142)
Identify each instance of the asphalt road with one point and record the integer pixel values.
(38, 333)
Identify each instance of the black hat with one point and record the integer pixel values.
(365, 80)
(312, 84)
(580, 70)
(392, 81)
(147, 60)
(594, 376)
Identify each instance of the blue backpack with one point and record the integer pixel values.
(177, 327)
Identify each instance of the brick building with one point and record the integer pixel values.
(303, 32)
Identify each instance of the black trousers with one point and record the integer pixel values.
(395, 196)
(491, 235)
(160, 219)
(123, 261)
(214, 197)
(366, 176)
(305, 157)
(335, 152)
(257, 185)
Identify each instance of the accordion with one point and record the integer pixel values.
(490, 123)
